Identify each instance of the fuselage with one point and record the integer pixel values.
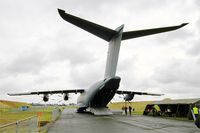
(99, 94)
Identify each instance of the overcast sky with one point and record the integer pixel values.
(40, 51)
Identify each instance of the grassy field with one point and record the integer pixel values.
(138, 106)
(6, 116)
(11, 112)
(8, 105)
(12, 104)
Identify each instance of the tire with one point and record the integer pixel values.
(81, 110)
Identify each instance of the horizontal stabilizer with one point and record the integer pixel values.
(146, 32)
(98, 30)
(106, 33)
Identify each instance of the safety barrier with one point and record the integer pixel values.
(55, 114)
(28, 125)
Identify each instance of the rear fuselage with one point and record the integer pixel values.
(99, 94)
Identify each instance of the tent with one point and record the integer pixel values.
(173, 108)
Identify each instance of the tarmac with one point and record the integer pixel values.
(72, 122)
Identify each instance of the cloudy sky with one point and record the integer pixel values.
(40, 51)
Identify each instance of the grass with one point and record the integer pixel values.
(6, 117)
(44, 114)
(138, 106)
(70, 106)
(6, 114)
(10, 112)
(12, 104)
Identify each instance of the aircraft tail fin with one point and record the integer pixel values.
(114, 37)
(146, 32)
(98, 30)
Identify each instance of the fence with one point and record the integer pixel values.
(55, 114)
(28, 125)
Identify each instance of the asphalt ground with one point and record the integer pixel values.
(72, 122)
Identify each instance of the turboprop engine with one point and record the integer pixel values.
(46, 98)
(128, 97)
(66, 96)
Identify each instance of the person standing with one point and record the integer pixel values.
(195, 111)
(130, 109)
(125, 109)
(154, 111)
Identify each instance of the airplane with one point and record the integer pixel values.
(96, 98)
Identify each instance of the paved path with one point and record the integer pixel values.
(71, 122)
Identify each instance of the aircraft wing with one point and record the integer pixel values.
(48, 92)
(137, 93)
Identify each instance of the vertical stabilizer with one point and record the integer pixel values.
(114, 37)
(113, 53)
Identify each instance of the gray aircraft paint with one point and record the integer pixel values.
(113, 53)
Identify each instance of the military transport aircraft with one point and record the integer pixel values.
(96, 98)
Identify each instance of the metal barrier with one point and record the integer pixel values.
(55, 114)
(28, 125)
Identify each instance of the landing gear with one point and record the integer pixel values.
(81, 110)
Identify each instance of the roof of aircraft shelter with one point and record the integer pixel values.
(177, 101)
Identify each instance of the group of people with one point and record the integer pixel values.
(126, 109)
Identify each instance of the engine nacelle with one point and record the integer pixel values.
(66, 96)
(46, 98)
(128, 97)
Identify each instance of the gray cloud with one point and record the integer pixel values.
(86, 75)
(195, 48)
(76, 54)
(178, 79)
(185, 72)
(27, 62)
(79, 58)
(197, 3)
(178, 35)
